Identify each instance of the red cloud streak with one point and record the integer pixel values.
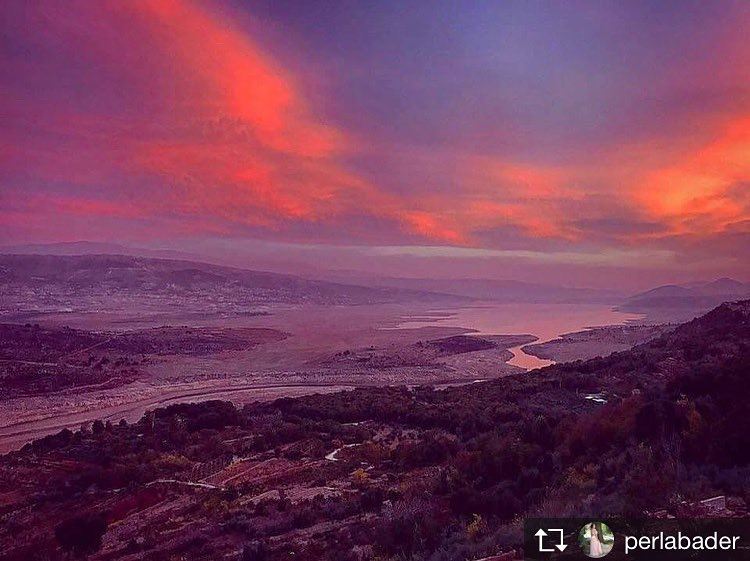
(205, 129)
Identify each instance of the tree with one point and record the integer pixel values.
(360, 478)
(476, 528)
(81, 535)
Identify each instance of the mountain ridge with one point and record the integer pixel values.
(683, 302)
(133, 273)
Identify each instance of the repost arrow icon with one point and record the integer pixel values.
(562, 545)
(541, 534)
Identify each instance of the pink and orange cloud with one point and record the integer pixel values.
(175, 116)
(704, 191)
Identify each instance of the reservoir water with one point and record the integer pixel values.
(545, 321)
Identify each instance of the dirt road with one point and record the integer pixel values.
(13, 435)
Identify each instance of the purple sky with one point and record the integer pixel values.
(590, 143)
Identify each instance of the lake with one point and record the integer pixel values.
(545, 321)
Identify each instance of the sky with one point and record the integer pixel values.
(588, 143)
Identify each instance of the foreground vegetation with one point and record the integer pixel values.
(394, 472)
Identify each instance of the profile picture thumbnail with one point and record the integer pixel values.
(596, 539)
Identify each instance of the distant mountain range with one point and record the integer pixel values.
(130, 272)
(96, 248)
(480, 289)
(114, 265)
(680, 302)
(495, 289)
(151, 276)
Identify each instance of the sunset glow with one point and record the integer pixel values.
(614, 128)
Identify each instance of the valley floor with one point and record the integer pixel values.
(116, 366)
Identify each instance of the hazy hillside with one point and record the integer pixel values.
(492, 289)
(675, 302)
(94, 248)
(30, 280)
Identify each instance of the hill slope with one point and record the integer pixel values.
(679, 303)
(86, 281)
(398, 473)
(490, 289)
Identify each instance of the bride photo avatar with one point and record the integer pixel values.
(596, 539)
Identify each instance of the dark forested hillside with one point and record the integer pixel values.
(397, 472)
